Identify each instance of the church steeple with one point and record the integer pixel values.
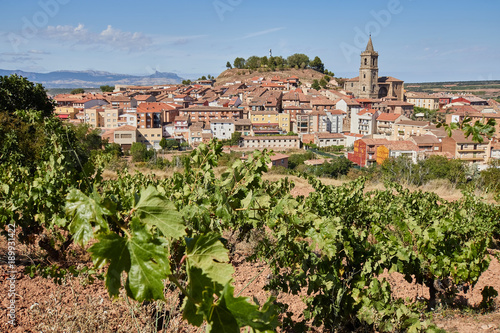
(368, 72)
(369, 46)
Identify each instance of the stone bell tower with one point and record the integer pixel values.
(368, 72)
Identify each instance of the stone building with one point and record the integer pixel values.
(368, 84)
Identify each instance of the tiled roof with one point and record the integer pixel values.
(388, 117)
(413, 123)
(401, 145)
(330, 136)
(126, 128)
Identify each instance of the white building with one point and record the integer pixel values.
(222, 129)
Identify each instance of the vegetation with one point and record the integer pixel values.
(315, 85)
(77, 91)
(107, 88)
(186, 82)
(18, 93)
(297, 60)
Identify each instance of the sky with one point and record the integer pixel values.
(417, 40)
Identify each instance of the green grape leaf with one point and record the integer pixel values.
(111, 248)
(155, 210)
(222, 320)
(248, 314)
(143, 257)
(209, 254)
(201, 289)
(85, 210)
(149, 265)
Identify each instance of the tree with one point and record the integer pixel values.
(317, 65)
(77, 91)
(17, 93)
(107, 88)
(280, 62)
(203, 78)
(264, 61)
(139, 152)
(114, 149)
(323, 83)
(253, 62)
(234, 141)
(298, 59)
(315, 85)
(239, 63)
(163, 143)
(169, 144)
(337, 167)
(327, 72)
(186, 82)
(271, 63)
(327, 78)
(228, 65)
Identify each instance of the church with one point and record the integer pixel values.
(369, 85)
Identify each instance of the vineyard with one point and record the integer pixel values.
(146, 237)
(333, 245)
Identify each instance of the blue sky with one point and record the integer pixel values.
(417, 40)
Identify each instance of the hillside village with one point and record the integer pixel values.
(372, 117)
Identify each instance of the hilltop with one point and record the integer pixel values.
(235, 74)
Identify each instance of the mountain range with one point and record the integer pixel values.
(93, 79)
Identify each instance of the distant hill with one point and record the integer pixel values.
(484, 88)
(304, 75)
(93, 79)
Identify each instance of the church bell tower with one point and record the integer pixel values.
(368, 72)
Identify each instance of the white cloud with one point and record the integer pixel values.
(261, 33)
(25, 57)
(114, 38)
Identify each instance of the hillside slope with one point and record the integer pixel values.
(304, 75)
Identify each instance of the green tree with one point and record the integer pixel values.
(298, 59)
(114, 149)
(139, 152)
(107, 88)
(298, 159)
(315, 85)
(264, 61)
(163, 143)
(186, 82)
(172, 144)
(203, 78)
(253, 62)
(280, 62)
(239, 63)
(77, 91)
(271, 63)
(234, 141)
(334, 168)
(228, 65)
(323, 83)
(327, 78)
(317, 65)
(18, 93)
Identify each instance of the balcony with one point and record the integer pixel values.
(472, 158)
(471, 150)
